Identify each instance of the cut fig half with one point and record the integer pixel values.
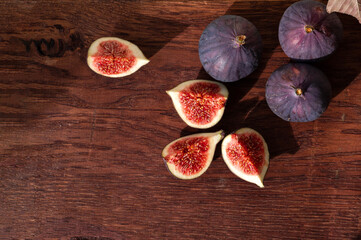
(115, 57)
(200, 103)
(246, 154)
(190, 156)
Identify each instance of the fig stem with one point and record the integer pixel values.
(309, 28)
(241, 39)
(298, 91)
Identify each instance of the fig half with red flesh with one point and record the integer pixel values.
(190, 156)
(115, 57)
(246, 154)
(200, 103)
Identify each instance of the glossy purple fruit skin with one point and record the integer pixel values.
(283, 100)
(313, 46)
(220, 54)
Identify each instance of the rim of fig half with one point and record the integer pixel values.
(140, 59)
(256, 179)
(214, 139)
(174, 94)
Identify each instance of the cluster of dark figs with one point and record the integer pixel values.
(230, 49)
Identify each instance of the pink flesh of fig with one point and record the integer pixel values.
(246, 152)
(189, 155)
(201, 102)
(113, 58)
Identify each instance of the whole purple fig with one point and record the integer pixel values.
(307, 32)
(230, 48)
(298, 92)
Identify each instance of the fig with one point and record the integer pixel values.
(200, 103)
(246, 154)
(230, 48)
(307, 32)
(190, 156)
(298, 92)
(115, 57)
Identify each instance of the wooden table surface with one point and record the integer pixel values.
(80, 154)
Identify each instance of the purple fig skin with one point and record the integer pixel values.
(298, 92)
(308, 33)
(230, 48)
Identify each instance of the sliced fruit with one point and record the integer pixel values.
(298, 92)
(246, 154)
(189, 157)
(115, 57)
(200, 103)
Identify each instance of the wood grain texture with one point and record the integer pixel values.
(80, 154)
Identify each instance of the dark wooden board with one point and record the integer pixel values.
(80, 154)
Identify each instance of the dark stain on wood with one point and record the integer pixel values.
(54, 48)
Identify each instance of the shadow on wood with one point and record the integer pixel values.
(255, 114)
(277, 132)
(149, 37)
(358, 237)
(340, 74)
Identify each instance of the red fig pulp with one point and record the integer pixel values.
(200, 103)
(189, 157)
(115, 57)
(246, 154)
